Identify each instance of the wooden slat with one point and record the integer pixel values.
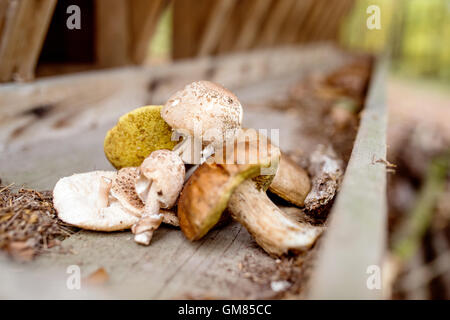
(144, 17)
(113, 40)
(253, 22)
(295, 20)
(338, 12)
(189, 19)
(329, 13)
(313, 20)
(357, 228)
(233, 28)
(24, 26)
(215, 25)
(275, 22)
(19, 100)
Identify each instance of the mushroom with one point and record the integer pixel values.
(83, 200)
(160, 180)
(101, 201)
(136, 135)
(124, 190)
(206, 115)
(240, 187)
(291, 182)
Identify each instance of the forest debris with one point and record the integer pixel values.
(282, 277)
(327, 172)
(278, 286)
(408, 238)
(28, 223)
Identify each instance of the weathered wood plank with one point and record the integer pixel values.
(189, 19)
(24, 26)
(275, 22)
(215, 25)
(356, 235)
(113, 33)
(144, 19)
(251, 27)
(295, 20)
(57, 107)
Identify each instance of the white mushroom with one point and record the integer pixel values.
(83, 200)
(160, 181)
(206, 115)
(102, 200)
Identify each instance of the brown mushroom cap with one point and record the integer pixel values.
(214, 187)
(204, 109)
(205, 196)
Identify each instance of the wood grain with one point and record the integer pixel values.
(113, 33)
(144, 19)
(24, 26)
(357, 227)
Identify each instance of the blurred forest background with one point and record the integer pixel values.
(416, 32)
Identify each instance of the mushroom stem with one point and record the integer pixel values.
(272, 229)
(150, 220)
(291, 182)
(206, 153)
(189, 149)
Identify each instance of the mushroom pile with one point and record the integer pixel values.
(217, 169)
(133, 197)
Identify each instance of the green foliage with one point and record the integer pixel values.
(417, 32)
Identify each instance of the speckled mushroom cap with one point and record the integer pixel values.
(204, 108)
(123, 189)
(166, 171)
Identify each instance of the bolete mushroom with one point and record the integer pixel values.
(291, 182)
(241, 187)
(136, 135)
(206, 115)
(159, 183)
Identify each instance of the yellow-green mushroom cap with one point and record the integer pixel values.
(136, 135)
